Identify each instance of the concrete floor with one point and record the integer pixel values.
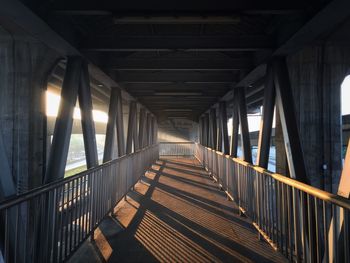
(176, 214)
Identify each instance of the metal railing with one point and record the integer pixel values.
(176, 148)
(67, 212)
(305, 223)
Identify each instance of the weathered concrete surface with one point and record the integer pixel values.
(176, 214)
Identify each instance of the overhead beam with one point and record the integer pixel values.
(174, 76)
(167, 43)
(182, 64)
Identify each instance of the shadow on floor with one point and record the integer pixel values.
(177, 213)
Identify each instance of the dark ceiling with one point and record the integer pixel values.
(178, 58)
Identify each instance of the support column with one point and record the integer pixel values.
(64, 122)
(266, 121)
(87, 122)
(285, 104)
(235, 126)
(213, 128)
(223, 127)
(242, 113)
(131, 127)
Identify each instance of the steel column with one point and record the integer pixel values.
(131, 127)
(266, 121)
(219, 134)
(87, 122)
(242, 113)
(223, 124)
(285, 104)
(64, 121)
(213, 128)
(235, 126)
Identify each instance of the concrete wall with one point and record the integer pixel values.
(25, 64)
(316, 74)
(177, 130)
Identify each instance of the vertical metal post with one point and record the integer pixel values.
(112, 116)
(213, 128)
(285, 104)
(235, 126)
(219, 134)
(223, 127)
(63, 127)
(266, 121)
(131, 127)
(242, 113)
(87, 122)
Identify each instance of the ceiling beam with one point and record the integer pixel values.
(206, 7)
(168, 43)
(173, 76)
(176, 64)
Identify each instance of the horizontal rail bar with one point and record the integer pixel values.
(49, 223)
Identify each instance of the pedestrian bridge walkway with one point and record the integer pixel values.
(176, 213)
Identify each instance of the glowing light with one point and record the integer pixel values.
(53, 102)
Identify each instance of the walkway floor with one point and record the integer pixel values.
(177, 214)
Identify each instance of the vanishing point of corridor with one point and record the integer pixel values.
(176, 213)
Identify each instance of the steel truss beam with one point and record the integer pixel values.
(110, 130)
(223, 128)
(87, 122)
(64, 121)
(285, 104)
(267, 118)
(235, 126)
(243, 120)
(132, 128)
(213, 127)
(142, 128)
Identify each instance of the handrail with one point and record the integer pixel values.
(13, 200)
(63, 214)
(305, 223)
(321, 194)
